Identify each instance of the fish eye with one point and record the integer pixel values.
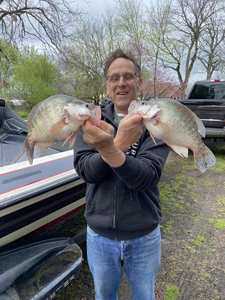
(86, 105)
(142, 103)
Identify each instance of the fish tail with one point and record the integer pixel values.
(29, 150)
(205, 159)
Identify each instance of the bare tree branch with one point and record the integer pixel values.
(49, 21)
(185, 30)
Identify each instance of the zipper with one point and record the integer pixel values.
(110, 119)
(114, 209)
(115, 125)
(114, 221)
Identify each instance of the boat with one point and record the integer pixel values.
(33, 197)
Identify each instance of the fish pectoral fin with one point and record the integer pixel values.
(72, 141)
(43, 146)
(57, 127)
(182, 151)
(153, 138)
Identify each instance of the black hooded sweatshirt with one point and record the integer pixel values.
(122, 203)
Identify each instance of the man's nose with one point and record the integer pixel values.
(122, 81)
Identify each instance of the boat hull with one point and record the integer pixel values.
(34, 198)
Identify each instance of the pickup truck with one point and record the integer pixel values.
(207, 100)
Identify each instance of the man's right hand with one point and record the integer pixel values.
(129, 131)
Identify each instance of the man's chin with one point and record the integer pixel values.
(122, 105)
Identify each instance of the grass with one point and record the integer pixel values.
(173, 193)
(23, 114)
(74, 226)
(218, 213)
(219, 167)
(193, 225)
(198, 240)
(172, 292)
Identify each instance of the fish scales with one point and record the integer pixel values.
(186, 129)
(42, 122)
(177, 126)
(57, 118)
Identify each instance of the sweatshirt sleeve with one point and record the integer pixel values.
(138, 173)
(144, 171)
(88, 162)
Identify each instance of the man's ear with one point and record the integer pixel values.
(107, 89)
(140, 82)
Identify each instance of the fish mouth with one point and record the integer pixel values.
(95, 115)
(151, 112)
(84, 112)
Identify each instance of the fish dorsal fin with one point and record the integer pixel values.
(182, 151)
(200, 125)
(32, 113)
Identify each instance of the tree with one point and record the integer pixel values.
(211, 52)
(158, 19)
(113, 36)
(49, 21)
(85, 55)
(83, 58)
(35, 77)
(162, 78)
(8, 59)
(181, 38)
(131, 24)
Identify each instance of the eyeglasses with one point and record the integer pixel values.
(126, 77)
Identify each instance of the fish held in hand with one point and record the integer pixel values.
(176, 125)
(57, 118)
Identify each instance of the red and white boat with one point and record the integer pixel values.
(33, 197)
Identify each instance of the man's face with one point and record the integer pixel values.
(122, 91)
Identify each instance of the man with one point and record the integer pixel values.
(122, 197)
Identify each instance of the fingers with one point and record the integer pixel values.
(129, 131)
(100, 137)
(90, 128)
(106, 127)
(132, 121)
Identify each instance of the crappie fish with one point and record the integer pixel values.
(176, 125)
(57, 118)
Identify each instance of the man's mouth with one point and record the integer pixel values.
(122, 93)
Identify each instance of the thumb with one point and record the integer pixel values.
(106, 127)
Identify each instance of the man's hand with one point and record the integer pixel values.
(129, 131)
(102, 139)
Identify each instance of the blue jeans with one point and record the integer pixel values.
(139, 257)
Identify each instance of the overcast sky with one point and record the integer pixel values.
(98, 7)
(95, 6)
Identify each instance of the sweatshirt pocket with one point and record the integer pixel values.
(136, 211)
(101, 203)
(100, 207)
